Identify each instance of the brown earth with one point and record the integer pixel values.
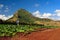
(49, 34)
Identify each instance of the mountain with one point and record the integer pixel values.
(26, 17)
(13, 19)
(23, 16)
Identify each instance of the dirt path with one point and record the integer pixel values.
(50, 34)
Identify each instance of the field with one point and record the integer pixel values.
(28, 32)
(11, 30)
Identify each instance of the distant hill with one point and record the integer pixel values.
(23, 16)
(13, 19)
(26, 17)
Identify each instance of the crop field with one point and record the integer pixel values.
(10, 30)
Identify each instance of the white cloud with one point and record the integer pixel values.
(57, 12)
(3, 17)
(55, 16)
(1, 6)
(45, 15)
(36, 5)
(36, 14)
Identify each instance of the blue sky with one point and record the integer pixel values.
(43, 7)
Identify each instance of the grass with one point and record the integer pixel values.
(10, 30)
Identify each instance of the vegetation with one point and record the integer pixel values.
(27, 23)
(25, 16)
(10, 30)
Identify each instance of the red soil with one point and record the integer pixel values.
(49, 34)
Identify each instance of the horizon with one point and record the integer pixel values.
(38, 8)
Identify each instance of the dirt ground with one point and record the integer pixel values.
(49, 34)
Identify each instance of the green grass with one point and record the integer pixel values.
(10, 30)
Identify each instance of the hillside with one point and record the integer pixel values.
(26, 17)
(23, 16)
(13, 19)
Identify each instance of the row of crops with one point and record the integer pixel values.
(10, 30)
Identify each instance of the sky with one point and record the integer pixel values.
(38, 8)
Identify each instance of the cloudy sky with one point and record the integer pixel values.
(39, 8)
